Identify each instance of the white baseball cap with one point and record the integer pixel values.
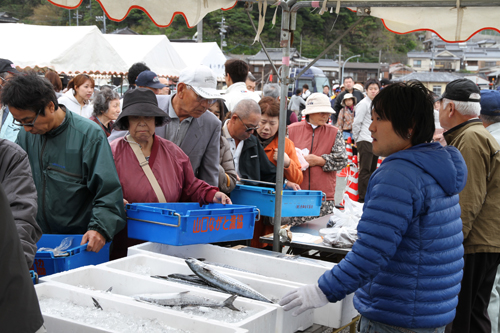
(202, 79)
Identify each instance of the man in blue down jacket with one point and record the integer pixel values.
(406, 265)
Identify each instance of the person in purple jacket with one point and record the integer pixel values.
(406, 265)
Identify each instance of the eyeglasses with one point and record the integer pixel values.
(18, 123)
(248, 129)
(200, 99)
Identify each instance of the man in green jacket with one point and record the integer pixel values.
(479, 201)
(75, 176)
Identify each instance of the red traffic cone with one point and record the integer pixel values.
(330, 121)
(348, 149)
(303, 118)
(343, 172)
(352, 181)
(379, 161)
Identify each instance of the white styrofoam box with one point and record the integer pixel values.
(332, 315)
(125, 285)
(271, 288)
(55, 324)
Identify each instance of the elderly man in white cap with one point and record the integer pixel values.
(190, 127)
(194, 130)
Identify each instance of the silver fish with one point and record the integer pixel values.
(224, 282)
(184, 299)
(187, 283)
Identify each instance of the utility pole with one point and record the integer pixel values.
(300, 50)
(340, 62)
(379, 59)
(432, 55)
(69, 16)
(222, 32)
(103, 19)
(90, 7)
(199, 29)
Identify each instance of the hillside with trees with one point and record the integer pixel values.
(316, 32)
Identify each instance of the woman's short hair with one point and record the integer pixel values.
(269, 106)
(124, 124)
(79, 80)
(54, 78)
(408, 106)
(102, 100)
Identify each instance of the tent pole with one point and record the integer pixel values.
(285, 71)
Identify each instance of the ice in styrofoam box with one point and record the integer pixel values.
(69, 309)
(307, 272)
(273, 289)
(255, 316)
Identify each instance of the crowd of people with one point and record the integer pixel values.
(428, 247)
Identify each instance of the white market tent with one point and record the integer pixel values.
(208, 54)
(69, 50)
(155, 50)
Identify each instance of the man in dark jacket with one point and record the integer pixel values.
(17, 181)
(75, 176)
(19, 309)
(349, 88)
(250, 160)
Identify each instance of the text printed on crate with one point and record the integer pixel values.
(207, 224)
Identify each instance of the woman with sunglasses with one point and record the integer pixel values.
(77, 98)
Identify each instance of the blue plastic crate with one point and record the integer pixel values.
(78, 256)
(294, 203)
(188, 223)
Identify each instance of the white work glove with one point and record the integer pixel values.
(306, 297)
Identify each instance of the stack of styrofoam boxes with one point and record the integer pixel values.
(123, 277)
(276, 269)
(82, 297)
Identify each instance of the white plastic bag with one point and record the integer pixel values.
(342, 227)
(300, 155)
(60, 250)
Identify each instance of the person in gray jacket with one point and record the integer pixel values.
(17, 181)
(19, 309)
(190, 127)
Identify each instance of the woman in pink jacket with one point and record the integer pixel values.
(169, 164)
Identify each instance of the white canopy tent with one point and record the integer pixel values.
(208, 54)
(67, 50)
(155, 50)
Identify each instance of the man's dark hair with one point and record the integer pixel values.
(370, 82)
(298, 92)
(29, 92)
(305, 86)
(237, 70)
(407, 106)
(348, 77)
(135, 70)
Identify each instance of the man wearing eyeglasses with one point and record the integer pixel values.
(250, 159)
(8, 130)
(73, 169)
(194, 130)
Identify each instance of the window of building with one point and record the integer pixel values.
(417, 63)
(256, 69)
(490, 63)
(471, 63)
(436, 90)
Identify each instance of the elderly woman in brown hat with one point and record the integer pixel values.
(326, 147)
(150, 168)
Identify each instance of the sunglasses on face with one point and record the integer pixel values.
(248, 129)
(18, 123)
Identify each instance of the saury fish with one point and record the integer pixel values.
(188, 283)
(184, 299)
(224, 282)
